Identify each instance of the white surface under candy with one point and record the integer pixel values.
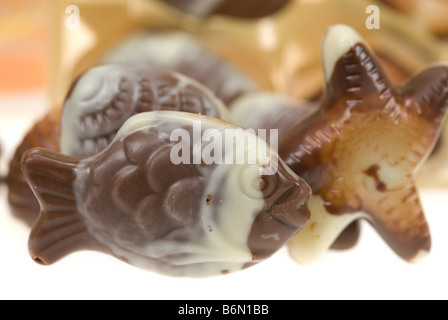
(368, 271)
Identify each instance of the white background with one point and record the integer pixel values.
(369, 271)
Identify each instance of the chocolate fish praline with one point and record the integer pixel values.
(132, 201)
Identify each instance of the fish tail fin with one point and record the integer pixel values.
(60, 228)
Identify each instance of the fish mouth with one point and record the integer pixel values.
(290, 207)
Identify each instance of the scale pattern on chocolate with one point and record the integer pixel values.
(104, 97)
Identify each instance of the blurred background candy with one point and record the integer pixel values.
(429, 14)
(24, 44)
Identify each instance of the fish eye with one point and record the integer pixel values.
(254, 185)
(268, 185)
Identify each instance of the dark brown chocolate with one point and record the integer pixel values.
(131, 201)
(349, 238)
(235, 8)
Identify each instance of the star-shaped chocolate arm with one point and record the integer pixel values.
(360, 153)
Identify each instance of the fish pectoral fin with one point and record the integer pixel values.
(320, 233)
(59, 229)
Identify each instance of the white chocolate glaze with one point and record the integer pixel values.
(308, 245)
(338, 41)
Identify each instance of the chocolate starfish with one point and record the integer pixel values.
(360, 153)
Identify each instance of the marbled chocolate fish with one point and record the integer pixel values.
(133, 202)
